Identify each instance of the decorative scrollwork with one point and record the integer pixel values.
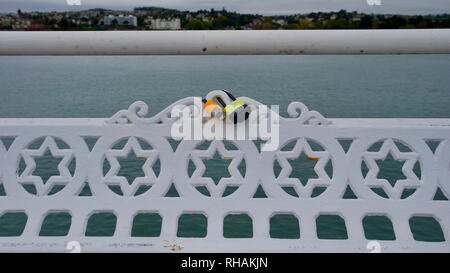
(305, 116)
(135, 114)
(137, 111)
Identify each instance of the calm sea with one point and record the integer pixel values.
(397, 86)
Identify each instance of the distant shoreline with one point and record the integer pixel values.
(156, 18)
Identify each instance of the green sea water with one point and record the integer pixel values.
(387, 86)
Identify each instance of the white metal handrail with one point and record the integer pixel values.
(405, 41)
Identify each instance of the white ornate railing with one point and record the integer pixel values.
(405, 139)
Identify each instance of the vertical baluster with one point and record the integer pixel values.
(78, 223)
(169, 225)
(307, 222)
(403, 233)
(124, 224)
(355, 229)
(215, 224)
(261, 225)
(34, 222)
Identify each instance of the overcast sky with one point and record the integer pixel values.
(267, 7)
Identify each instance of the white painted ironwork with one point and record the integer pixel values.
(386, 41)
(301, 128)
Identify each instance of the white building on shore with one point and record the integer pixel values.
(120, 20)
(166, 24)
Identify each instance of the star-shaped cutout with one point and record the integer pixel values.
(112, 179)
(216, 167)
(322, 158)
(64, 177)
(410, 159)
(235, 179)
